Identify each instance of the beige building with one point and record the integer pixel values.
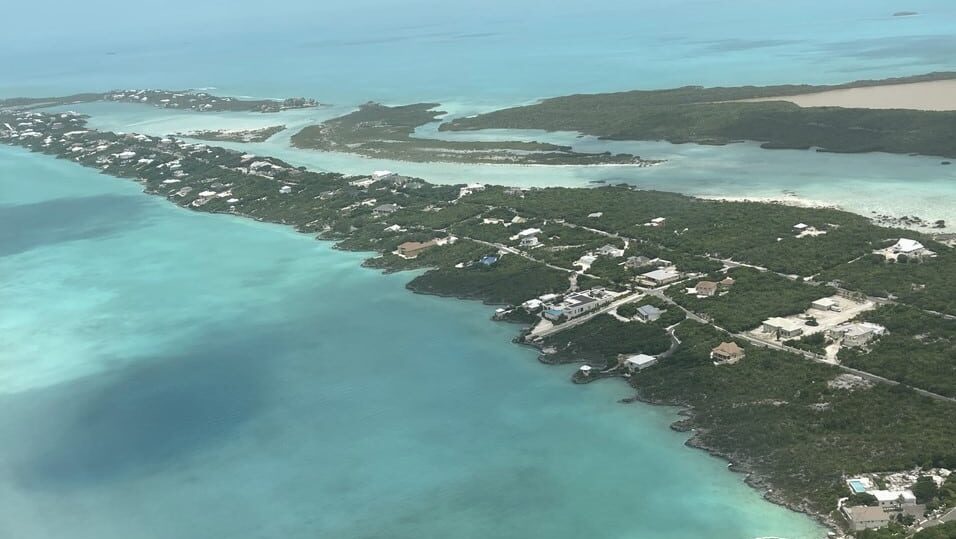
(727, 352)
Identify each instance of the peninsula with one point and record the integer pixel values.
(385, 132)
(763, 114)
(197, 101)
(811, 347)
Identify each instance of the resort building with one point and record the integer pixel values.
(639, 362)
(585, 370)
(727, 353)
(706, 288)
(782, 328)
(862, 517)
(657, 222)
(595, 215)
(411, 249)
(579, 303)
(648, 313)
(727, 283)
(285, 189)
(659, 277)
(529, 241)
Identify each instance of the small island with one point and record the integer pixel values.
(385, 132)
(197, 101)
(235, 135)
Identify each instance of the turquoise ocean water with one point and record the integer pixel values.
(171, 374)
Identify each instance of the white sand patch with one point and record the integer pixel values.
(932, 95)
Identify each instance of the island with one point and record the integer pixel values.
(812, 348)
(198, 101)
(726, 115)
(235, 135)
(385, 132)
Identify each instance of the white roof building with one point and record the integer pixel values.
(527, 232)
(640, 361)
(905, 246)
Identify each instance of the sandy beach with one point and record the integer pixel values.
(784, 199)
(932, 95)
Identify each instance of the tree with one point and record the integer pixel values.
(863, 498)
(925, 489)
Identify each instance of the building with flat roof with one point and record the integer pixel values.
(782, 328)
(862, 517)
(826, 304)
(856, 333)
(639, 362)
(660, 277)
(648, 313)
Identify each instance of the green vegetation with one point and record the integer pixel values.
(385, 132)
(919, 349)
(815, 343)
(717, 116)
(604, 337)
(756, 296)
(512, 280)
(943, 531)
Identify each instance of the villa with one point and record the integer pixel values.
(611, 251)
(648, 313)
(659, 277)
(908, 248)
(727, 353)
(639, 362)
(706, 288)
(411, 249)
(782, 328)
(855, 334)
(529, 241)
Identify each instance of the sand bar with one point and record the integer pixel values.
(931, 95)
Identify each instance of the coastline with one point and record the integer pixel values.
(786, 200)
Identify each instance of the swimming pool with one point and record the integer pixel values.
(856, 486)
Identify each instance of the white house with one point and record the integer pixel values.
(659, 277)
(529, 241)
(639, 362)
(611, 251)
(826, 304)
(783, 328)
